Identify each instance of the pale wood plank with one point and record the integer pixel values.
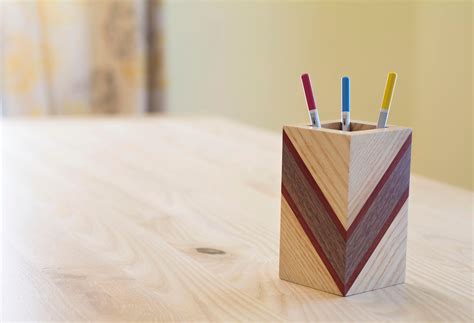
(299, 261)
(386, 265)
(370, 157)
(327, 159)
(102, 218)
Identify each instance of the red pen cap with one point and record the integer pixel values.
(308, 91)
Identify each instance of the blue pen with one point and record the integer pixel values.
(345, 98)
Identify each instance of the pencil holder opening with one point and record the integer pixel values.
(354, 126)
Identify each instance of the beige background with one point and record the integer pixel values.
(243, 60)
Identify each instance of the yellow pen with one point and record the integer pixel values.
(387, 99)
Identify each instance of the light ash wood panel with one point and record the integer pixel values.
(299, 261)
(383, 208)
(370, 156)
(307, 202)
(102, 217)
(386, 265)
(327, 158)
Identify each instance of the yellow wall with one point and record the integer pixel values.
(243, 60)
(442, 84)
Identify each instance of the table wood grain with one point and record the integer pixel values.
(177, 219)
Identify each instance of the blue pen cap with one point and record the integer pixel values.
(345, 94)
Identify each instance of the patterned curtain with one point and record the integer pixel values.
(81, 56)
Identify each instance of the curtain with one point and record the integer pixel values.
(82, 56)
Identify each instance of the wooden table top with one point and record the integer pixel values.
(175, 219)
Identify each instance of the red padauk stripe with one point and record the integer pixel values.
(379, 186)
(308, 91)
(313, 239)
(314, 185)
(377, 240)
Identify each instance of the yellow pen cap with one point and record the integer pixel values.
(387, 96)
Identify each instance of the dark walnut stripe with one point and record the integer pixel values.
(378, 212)
(312, 182)
(313, 212)
(313, 240)
(379, 186)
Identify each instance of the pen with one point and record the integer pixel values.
(308, 91)
(345, 98)
(387, 99)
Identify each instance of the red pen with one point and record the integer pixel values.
(308, 91)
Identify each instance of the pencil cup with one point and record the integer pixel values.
(344, 206)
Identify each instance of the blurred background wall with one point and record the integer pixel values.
(243, 59)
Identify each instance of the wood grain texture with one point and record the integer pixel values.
(391, 191)
(326, 155)
(309, 231)
(310, 207)
(101, 219)
(298, 259)
(386, 265)
(370, 156)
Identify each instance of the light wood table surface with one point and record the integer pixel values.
(177, 219)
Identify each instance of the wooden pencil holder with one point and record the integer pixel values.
(344, 206)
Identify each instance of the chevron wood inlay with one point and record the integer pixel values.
(327, 157)
(298, 189)
(370, 157)
(298, 260)
(344, 248)
(386, 265)
(386, 198)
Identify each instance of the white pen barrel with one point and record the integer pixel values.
(313, 114)
(346, 121)
(383, 116)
